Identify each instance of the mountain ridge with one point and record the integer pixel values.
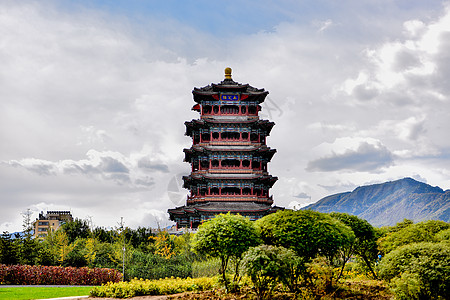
(385, 204)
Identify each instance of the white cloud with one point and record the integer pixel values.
(353, 155)
(407, 66)
(325, 25)
(133, 170)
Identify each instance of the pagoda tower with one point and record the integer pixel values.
(229, 155)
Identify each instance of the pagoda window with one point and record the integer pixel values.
(203, 192)
(252, 109)
(229, 109)
(256, 165)
(216, 109)
(233, 163)
(215, 163)
(215, 135)
(214, 191)
(254, 137)
(204, 164)
(205, 136)
(243, 109)
(245, 135)
(246, 191)
(207, 109)
(246, 163)
(231, 191)
(230, 135)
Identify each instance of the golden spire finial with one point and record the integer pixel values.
(228, 73)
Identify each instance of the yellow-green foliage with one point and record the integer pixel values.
(140, 287)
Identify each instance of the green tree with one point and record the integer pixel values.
(28, 251)
(45, 255)
(268, 265)
(104, 257)
(103, 235)
(139, 238)
(364, 245)
(308, 233)
(76, 229)
(418, 270)
(443, 235)
(90, 251)
(414, 233)
(226, 237)
(59, 244)
(75, 257)
(27, 246)
(8, 250)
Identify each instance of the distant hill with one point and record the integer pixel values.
(390, 202)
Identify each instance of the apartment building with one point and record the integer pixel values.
(50, 222)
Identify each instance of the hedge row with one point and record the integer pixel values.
(140, 287)
(32, 275)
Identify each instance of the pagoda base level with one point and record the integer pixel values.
(191, 216)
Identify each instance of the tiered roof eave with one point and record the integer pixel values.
(207, 122)
(196, 150)
(229, 86)
(267, 179)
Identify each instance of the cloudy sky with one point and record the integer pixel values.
(94, 96)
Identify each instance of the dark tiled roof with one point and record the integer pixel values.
(224, 207)
(229, 86)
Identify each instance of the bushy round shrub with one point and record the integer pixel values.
(419, 270)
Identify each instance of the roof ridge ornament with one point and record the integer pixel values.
(228, 73)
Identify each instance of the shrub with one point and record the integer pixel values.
(420, 271)
(226, 237)
(140, 287)
(150, 266)
(420, 232)
(443, 235)
(269, 265)
(206, 268)
(44, 275)
(308, 233)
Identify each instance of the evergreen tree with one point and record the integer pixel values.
(8, 249)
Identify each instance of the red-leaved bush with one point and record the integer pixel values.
(32, 275)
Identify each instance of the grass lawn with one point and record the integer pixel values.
(30, 292)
